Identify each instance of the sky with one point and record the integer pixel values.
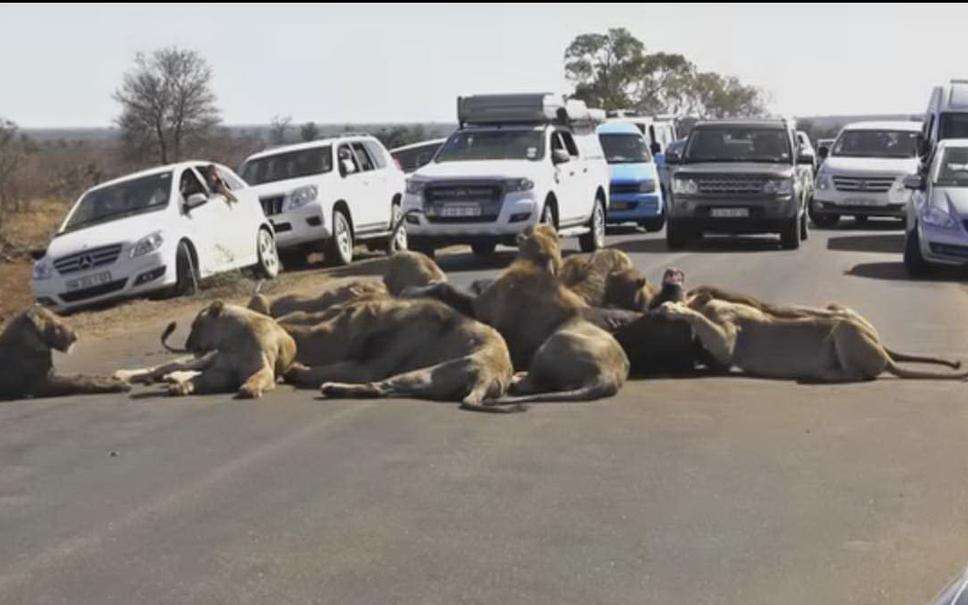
(59, 64)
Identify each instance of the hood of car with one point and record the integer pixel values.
(853, 166)
(632, 172)
(282, 187)
(773, 170)
(956, 196)
(493, 169)
(123, 231)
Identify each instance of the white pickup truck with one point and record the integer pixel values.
(516, 160)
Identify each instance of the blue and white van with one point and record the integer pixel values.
(635, 192)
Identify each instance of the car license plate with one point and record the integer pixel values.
(89, 281)
(622, 205)
(460, 210)
(729, 212)
(863, 201)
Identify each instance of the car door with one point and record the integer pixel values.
(373, 182)
(200, 223)
(242, 217)
(567, 180)
(582, 194)
(351, 188)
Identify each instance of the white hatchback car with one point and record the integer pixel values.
(163, 229)
(327, 195)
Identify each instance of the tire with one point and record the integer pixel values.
(790, 236)
(483, 249)
(186, 271)
(338, 249)
(595, 238)
(294, 259)
(914, 262)
(548, 215)
(860, 220)
(676, 236)
(400, 243)
(804, 231)
(823, 221)
(267, 265)
(653, 225)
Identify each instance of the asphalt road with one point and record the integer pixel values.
(713, 490)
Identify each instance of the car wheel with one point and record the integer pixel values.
(790, 236)
(339, 247)
(676, 236)
(913, 260)
(400, 241)
(186, 272)
(860, 220)
(804, 231)
(268, 262)
(653, 225)
(547, 216)
(483, 249)
(822, 220)
(595, 238)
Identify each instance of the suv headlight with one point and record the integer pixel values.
(415, 187)
(684, 186)
(147, 244)
(647, 186)
(299, 197)
(937, 217)
(513, 185)
(823, 181)
(778, 187)
(43, 269)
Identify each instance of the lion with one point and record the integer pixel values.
(235, 349)
(828, 349)
(629, 289)
(588, 274)
(401, 348)
(26, 346)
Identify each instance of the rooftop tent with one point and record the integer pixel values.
(535, 108)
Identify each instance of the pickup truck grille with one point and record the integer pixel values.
(89, 259)
(732, 185)
(877, 184)
(272, 205)
(487, 196)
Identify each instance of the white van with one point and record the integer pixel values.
(516, 160)
(946, 117)
(163, 229)
(327, 195)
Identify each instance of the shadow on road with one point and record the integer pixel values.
(887, 242)
(704, 245)
(895, 271)
(886, 224)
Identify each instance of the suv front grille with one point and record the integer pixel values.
(487, 195)
(623, 188)
(89, 259)
(863, 184)
(272, 205)
(732, 185)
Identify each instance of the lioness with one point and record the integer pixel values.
(587, 274)
(235, 349)
(338, 291)
(28, 367)
(401, 348)
(629, 289)
(812, 348)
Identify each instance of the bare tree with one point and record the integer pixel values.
(12, 154)
(166, 101)
(279, 129)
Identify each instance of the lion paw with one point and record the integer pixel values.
(180, 389)
(249, 392)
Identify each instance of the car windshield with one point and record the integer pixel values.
(953, 168)
(876, 144)
(288, 165)
(514, 144)
(624, 148)
(137, 196)
(415, 157)
(738, 144)
(954, 126)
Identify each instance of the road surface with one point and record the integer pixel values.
(711, 490)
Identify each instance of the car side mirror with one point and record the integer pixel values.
(38, 253)
(347, 167)
(560, 156)
(914, 181)
(655, 148)
(195, 200)
(823, 152)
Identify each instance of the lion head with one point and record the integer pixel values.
(43, 329)
(539, 244)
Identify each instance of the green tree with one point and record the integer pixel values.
(606, 68)
(309, 132)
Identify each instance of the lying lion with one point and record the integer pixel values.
(235, 349)
(839, 347)
(400, 348)
(28, 367)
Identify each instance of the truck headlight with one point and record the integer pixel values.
(937, 217)
(415, 187)
(778, 187)
(823, 181)
(147, 244)
(299, 197)
(684, 186)
(646, 186)
(43, 269)
(513, 185)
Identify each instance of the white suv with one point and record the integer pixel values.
(515, 161)
(327, 195)
(158, 230)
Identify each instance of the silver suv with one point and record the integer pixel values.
(740, 176)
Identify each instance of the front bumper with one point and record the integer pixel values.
(765, 214)
(629, 207)
(299, 227)
(857, 203)
(128, 277)
(944, 246)
(518, 211)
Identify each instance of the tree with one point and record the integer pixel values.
(613, 71)
(12, 154)
(309, 131)
(166, 101)
(279, 129)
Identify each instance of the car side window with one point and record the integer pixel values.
(190, 184)
(366, 164)
(556, 144)
(569, 142)
(232, 181)
(346, 156)
(377, 154)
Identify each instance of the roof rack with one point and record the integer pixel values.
(529, 108)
